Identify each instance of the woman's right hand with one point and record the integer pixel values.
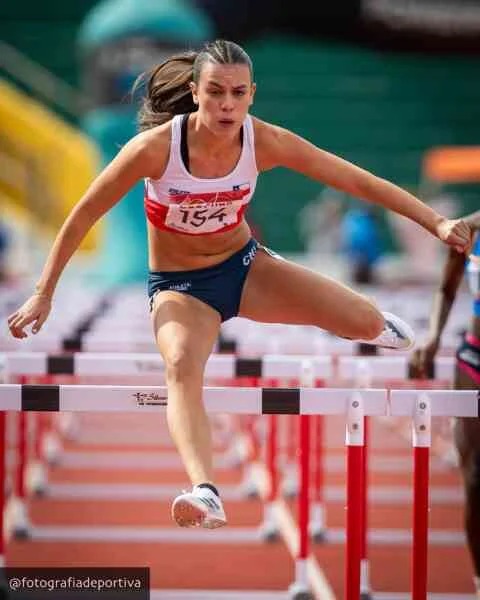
(35, 310)
(422, 360)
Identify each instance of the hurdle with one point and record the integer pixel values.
(416, 404)
(218, 366)
(269, 367)
(357, 369)
(221, 366)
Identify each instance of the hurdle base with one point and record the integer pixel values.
(316, 528)
(319, 537)
(251, 494)
(16, 522)
(298, 591)
(51, 449)
(21, 534)
(269, 533)
(290, 482)
(36, 479)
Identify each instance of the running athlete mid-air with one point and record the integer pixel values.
(200, 152)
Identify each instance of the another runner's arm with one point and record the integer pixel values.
(445, 295)
(278, 147)
(444, 298)
(140, 157)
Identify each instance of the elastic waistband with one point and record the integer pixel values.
(225, 263)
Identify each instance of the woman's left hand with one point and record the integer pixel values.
(455, 233)
(421, 363)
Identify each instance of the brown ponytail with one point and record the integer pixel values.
(167, 91)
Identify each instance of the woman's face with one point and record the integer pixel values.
(224, 94)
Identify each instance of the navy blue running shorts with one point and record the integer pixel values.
(219, 286)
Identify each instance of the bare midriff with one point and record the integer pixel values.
(170, 251)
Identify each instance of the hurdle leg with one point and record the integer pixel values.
(317, 526)
(363, 380)
(36, 476)
(51, 444)
(365, 590)
(300, 588)
(250, 448)
(269, 529)
(17, 523)
(249, 440)
(421, 447)
(36, 479)
(355, 481)
(290, 477)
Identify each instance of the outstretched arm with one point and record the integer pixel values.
(280, 147)
(134, 161)
(445, 297)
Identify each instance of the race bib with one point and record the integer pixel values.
(203, 217)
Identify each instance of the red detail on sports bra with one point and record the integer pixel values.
(201, 197)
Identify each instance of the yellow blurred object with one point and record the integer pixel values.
(453, 164)
(45, 163)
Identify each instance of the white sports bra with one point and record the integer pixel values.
(183, 203)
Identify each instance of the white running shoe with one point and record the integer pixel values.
(199, 508)
(397, 335)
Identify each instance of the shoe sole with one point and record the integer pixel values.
(213, 523)
(186, 514)
(409, 331)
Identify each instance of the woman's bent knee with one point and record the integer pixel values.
(181, 365)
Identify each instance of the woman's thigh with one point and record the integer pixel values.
(279, 291)
(185, 328)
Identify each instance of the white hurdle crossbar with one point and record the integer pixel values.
(218, 365)
(443, 403)
(389, 366)
(241, 400)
